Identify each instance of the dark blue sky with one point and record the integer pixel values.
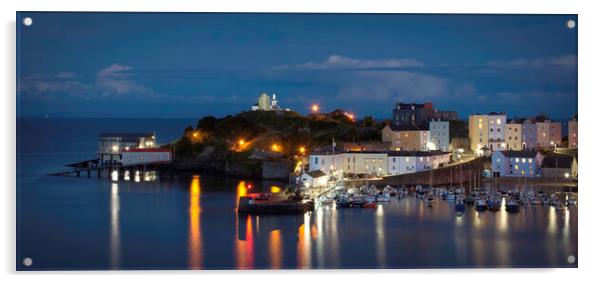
(191, 65)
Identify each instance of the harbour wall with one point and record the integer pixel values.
(461, 173)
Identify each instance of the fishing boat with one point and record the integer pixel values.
(512, 206)
(369, 204)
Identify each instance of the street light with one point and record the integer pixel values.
(302, 150)
(315, 108)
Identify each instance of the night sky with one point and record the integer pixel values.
(192, 65)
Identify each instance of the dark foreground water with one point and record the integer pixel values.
(81, 223)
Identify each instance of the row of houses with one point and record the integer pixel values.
(375, 163)
(531, 163)
(494, 132)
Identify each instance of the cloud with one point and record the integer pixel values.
(392, 86)
(341, 62)
(564, 61)
(112, 81)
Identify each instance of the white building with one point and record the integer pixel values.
(316, 178)
(405, 162)
(265, 103)
(508, 163)
(143, 156)
(326, 159)
(364, 162)
(497, 131)
(439, 135)
(111, 145)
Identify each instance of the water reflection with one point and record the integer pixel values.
(275, 249)
(195, 244)
(115, 240)
(304, 243)
(243, 243)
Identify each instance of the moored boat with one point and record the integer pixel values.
(512, 206)
(480, 204)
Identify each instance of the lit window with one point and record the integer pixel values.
(499, 121)
(530, 160)
(407, 159)
(516, 160)
(524, 160)
(516, 167)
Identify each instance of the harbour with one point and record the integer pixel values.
(192, 222)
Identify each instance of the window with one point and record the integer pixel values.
(421, 159)
(393, 167)
(407, 159)
(524, 160)
(322, 161)
(516, 160)
(516, 167)
(393, 160)
(530, 160)
(316, 160)
(498, 130)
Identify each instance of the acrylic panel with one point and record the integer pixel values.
(157, 141)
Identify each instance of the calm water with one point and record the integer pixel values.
(81, 223)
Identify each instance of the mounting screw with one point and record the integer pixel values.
(27, 21)
(27, 261)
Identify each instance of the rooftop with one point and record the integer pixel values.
(522, 153)
(316, 173)
(410, 127)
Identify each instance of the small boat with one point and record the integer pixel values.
(535, 201)
(494, 204)
(512, 206)
(357, 201)
(451, 198)
(382, 198)
(469, 199)
(343, 201)
(460, 207)
(421, 194)
(480, 204)
(545, 201)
